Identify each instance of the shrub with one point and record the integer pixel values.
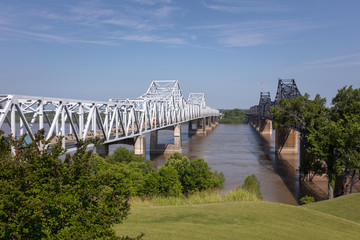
(252, 184)
(195, 175)
(306, 199)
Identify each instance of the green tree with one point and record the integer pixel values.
(164, 182)
(252, 184)
(331, 136)
(44, 197)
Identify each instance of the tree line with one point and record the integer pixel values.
(234, 116)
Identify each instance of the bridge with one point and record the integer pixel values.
(286, 139)
(118, 121)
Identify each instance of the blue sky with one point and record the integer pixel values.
(226, 48)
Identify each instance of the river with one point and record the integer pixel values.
(238, 150)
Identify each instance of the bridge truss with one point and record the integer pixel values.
(286, 89)
(163, 105)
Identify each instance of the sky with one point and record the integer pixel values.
(231, 50)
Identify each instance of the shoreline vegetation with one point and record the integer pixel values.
(234, 116)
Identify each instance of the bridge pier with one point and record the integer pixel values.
(200, 127)
(103, 150)
(140, 145)
(265, 126)
(138, 142)
(156, 148)
(286, 140)
(208, 123)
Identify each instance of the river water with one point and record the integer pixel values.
(238, 150)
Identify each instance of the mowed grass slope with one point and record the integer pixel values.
(236, 220)
(347, 207)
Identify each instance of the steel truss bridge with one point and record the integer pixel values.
(286, 89)
(162, 106)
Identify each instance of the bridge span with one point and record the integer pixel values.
(118, 121)
(286, 138)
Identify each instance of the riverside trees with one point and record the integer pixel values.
(331, 136)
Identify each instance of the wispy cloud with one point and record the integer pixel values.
(339, 61)
(151, 2)
(254, 33)
(128, 23)
(55, 38)
(165, 11)
(245, 6)
(152, 38)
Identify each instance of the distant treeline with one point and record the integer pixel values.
(234, 116)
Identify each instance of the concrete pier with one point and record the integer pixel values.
(200, 127)
(156, 148)
(102, 150)
(265, 126)
(286, 140)
(140, 145)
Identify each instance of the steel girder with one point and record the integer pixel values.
(163, 105)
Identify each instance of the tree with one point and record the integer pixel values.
(331, 136)
(44, 197)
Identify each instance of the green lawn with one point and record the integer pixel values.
(347, 207)
(236, 220)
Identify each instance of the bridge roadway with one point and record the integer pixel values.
(118, 121)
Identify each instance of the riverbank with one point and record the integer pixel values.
(243, 220)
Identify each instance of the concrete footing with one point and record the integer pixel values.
(140, 145)
(102, 150)
(156, 148)
(265, 126)
(286, 140)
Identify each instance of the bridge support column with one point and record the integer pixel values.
(265, 126)
(257, 124)
(286, 140)
(140, 145)
(208, 123)
(156, 148)
(102, 150)
(200, 127)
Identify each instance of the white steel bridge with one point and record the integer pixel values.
(162, 106)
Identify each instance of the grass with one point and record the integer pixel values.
(198, 198)
(347, 207)
(236, 220)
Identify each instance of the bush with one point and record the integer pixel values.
(306, 199)
(252, 184)
(43, 197)
(195, 175)
(164, 183)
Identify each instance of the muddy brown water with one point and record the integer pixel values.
(238, 150)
